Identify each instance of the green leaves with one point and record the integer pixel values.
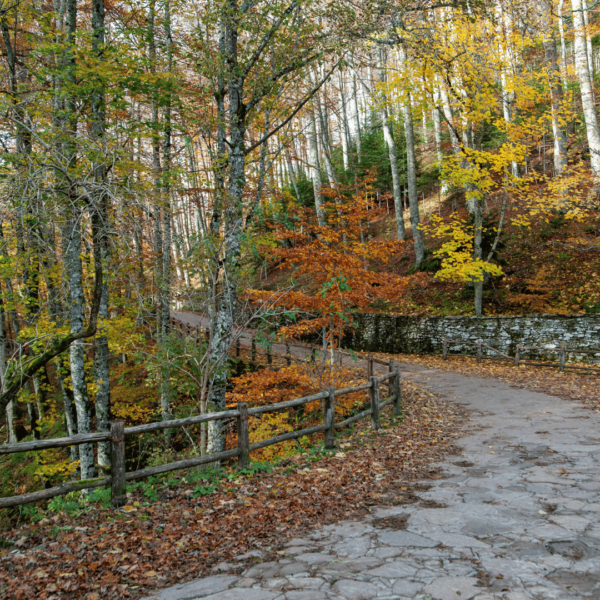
(340, 283)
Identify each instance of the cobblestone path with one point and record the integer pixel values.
(516, 516)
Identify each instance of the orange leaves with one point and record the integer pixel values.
(269, 387)
(335, 268)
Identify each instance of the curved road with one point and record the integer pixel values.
(521, 517)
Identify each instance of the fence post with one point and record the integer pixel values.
(394, 387)
(237, 348)
(563, 356)
(397, 393)
(118, 491)
(445, 350)
(330, 418)
(375, 402)
(313, 354)
(243, 435)
(370, 366)
(269, 356)
(288, 357)
(207, 335)
(253, 355)
(518, 355)
(478, 352)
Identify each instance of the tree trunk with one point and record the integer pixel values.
(437, 129)
(292, 173)
(477, 253)
(74, 268)
(563, 45)
(588, 41)
(228, 304)
(556, 93)
(391, 145)
(165, 295)
(101, 242)
(587, 95)
(315, 169)
(411, 174)
(344, 125)
(63, 375)
(356, 117)
(77, 354)
(508, 97)
(10, 417)
(449, 117)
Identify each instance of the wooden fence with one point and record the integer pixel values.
(562, 354)
(116, 436)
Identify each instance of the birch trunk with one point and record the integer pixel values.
(449, 118)
(437, 129)
(587, 95)
(101, 243)
(411, 174)
(356, 117)
(563, 45)
(556, 94)
(325, 146)
(292, 173)
(392, 152)
(588, 41)
(315, 169)
(345, 130)
(508, 97)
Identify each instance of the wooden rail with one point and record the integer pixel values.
(118, 478)
(562, 352)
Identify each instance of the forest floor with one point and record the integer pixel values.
(509, 510)
(196, 524)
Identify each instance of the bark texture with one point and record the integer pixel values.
(587, 93)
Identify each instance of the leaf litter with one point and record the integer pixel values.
(126, 553)
(581, 386)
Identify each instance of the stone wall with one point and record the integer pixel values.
(424, 335)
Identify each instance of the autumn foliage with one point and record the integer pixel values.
(336, 268)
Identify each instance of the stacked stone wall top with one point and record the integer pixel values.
(425, 335)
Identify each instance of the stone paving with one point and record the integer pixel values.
(516, 516)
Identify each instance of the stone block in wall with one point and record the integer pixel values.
(424, 335)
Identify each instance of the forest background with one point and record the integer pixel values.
(280, 165)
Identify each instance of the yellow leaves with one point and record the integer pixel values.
(456, 251)
(51, 464)
(567, 195)
(521, 221)
(270, 425)
(267, 387)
